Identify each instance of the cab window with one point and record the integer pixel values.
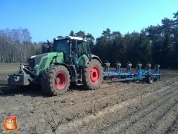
(82, 47)
(62, 46)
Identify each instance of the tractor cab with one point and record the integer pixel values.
(76, 50)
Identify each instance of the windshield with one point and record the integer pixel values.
(62, 46)
(83, 47)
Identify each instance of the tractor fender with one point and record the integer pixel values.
(65, 66)
(94, 57)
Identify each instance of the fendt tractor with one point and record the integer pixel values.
(67, 60)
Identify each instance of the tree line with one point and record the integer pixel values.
(16, 45)
(155, 44)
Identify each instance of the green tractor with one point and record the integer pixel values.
(66, 60)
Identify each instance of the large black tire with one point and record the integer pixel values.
(57, 80)
(93, 75)
(43, 82)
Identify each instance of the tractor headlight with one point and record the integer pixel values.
(35, 67)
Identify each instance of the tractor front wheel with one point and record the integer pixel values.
(58, 80)
(44, 82)
(93, 75)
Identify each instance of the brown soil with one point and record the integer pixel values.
(130, 108)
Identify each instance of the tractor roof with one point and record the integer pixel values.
(70, 37)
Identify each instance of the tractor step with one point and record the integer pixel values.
(79, 78)
(79, 82)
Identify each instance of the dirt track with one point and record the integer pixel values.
(114, 108)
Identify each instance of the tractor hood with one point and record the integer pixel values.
(43, 61)
(35, 60)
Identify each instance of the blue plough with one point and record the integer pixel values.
(119, 75)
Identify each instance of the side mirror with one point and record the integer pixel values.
(45, 48)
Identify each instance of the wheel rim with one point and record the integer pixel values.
(94, 75)
(60, 81)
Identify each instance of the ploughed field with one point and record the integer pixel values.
(129, 107)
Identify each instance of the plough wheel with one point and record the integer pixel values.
(149, 80)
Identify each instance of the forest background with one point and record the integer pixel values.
(155, 44)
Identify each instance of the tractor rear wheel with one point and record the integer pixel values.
(93, 75)
(58, 80)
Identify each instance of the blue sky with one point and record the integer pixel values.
(46, 19)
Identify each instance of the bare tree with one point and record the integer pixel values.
(16, 45)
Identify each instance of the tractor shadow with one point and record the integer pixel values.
(126, 82)
(6, 90)
(76, 88)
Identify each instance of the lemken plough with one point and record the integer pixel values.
(128, 75)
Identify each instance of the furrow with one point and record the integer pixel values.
(101, 117)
